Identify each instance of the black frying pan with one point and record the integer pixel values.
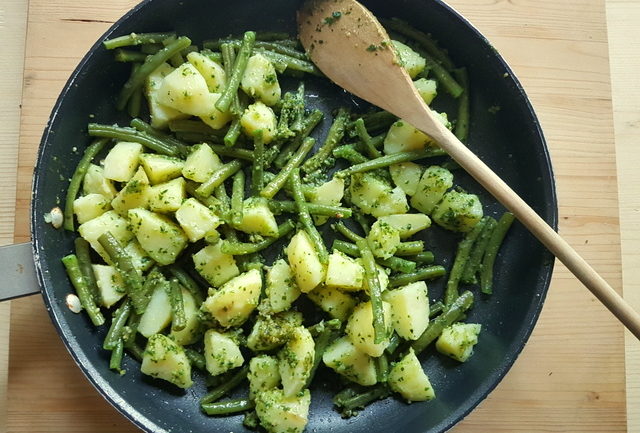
(509, 140)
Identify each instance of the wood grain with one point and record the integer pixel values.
(569, 378)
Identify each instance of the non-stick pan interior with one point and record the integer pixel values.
(504, 132)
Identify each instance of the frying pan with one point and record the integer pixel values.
(508, 139)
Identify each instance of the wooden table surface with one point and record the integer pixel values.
(580, 74)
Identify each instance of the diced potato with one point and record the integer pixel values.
(186, 90)
(94, 182)
(157, 315)
(295, 361)
(109, 221)
(139, 257)
(90, 206)
(160, 114)
(383, 239)
(428, 89)
(329, 193)
(345, 359)
(121, 162)
(406, 175)
(263, 374)
(212, 72)
(215, 118)
(163, 239)
(457, 340)
(164, 359)
(404, 137)
(110, 284)
(280, 414)
(196, 219)
(304, 262)
(411, 61)
(409, 309)
(281, 288)
(259, 117)
(221, 353)
(133, 194)
(359, 328)
(168, 196)
(435, 181)
(407, 224)
(260, 80)
(191, 332)
(458, 211)
(375, 196)
(333, 302)
(343, 272)
(409, 379)
(161, 168)
(271, 331)
(201, 163)
(233, 303)
(215, 266)
(257, 218)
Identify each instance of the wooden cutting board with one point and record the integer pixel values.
(569, 378)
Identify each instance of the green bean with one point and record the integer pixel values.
(220, 193)
(196, 359)
(486, 277)
(427, 273)
(115, 361)
(77, 178)
(476, 254)
(84, 262)
(151, 47)
(187, 282)
(365, 138)
(359, 401)
(232, 152)
(215, 56)
(199, 137)
(409, 248)
(136, 351)
(362, 221)
(130, 330)
(77, 280)
(435, 309)
(309, 124)
(462, 255)
(319, 328)
(219, 176)
(211, 202)
(237, 198)
(179, 320)
(228, 407)
(443, 76)
(257, 169)
(134, 106)
(305, 217)
(228, 54)
(425, 258)
(284, 206)
(221, 390)
(288, 62)
(375, 291)
(170, 141)
(451, 314)
(298, 107)
(153, 279)
(243, 248)
(150, 64)
(461, 130)
(350, 154)
(387, 160)
(130, 134)
(278, 182)
(382, 368)
(186, 125)
(379, 120)
(119, 320)
(233, 80)
(346, 393)
(279, 48)
(394, 263)
(231, 137)
(126, 56)
(322, 341)
(334, 136)
(136, 39)
(394, 342)
(346, 232)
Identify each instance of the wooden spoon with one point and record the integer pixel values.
(349, 45)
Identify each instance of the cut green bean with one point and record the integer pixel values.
(231, 137)
(257, 169)
(427, 273)
(378, 121)
(125, 56)
(461, 129)
(500, 231)
(130, 330)
(84, 294)
(310, 122)
(151, 47)
(394, 263)
(409, 248)
(115, 361)
(233, 81)
(375, 291)
(188, 283)
(382, 368)
(322, 341)
(297, 112)
(228, 407)
(366, 140)
(136, 39)
(435, 309)
(196, 359)
(285, 206)
(473, 265)
(76, 180)
(179, 320)
(424, 258)
(118, 322)
(130, 134)
(237, 198)
(186, 125)
(271, 189)
(232, 152)
(228, 54)
(243, 248)
(348, 406)
(169, 141)
(394, 342)
(348, 152)
(286, 62)
(84, 262)
(136, 351)
(346, 232)
(219, 176)
(334, 136)
(387, 160)
(305, 217)
(226, 386)
(363, 222)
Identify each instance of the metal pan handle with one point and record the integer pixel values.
(17, 272)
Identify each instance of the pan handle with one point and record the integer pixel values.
(17, 272)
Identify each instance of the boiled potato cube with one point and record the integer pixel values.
(168, 196)
(359, 328)
(333, 302)
(164, 359)
(94, 182)
(458, 211)
(407, 224)
(383, 239)
(457, 340)
(259, 117)
(90, 206)
(186, 90)
(215, 118)
(221, 352)
(157, 315)
(329, 193)
(271, 331)
(304, 262)
(196, 219)
(435, 181)
(110, 284)
(428, 89)
(409, 309)
(280, 414)
(260, 80)
(161, 168)
(233, 303)
(343, 272)
(295, 361)
(163, 239)
(373, 195)
(257, 218)
(404, 137)
(406, 175)
(109, 221)
(409, 379)
(191, 332)
(133, 194)
(160, 114)
(281, 288)
(212, 72)
(139, 257)
(345, 359)
(201, 163)
(411, 61)
(263, 374)
(215, 266)
(121, 162)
